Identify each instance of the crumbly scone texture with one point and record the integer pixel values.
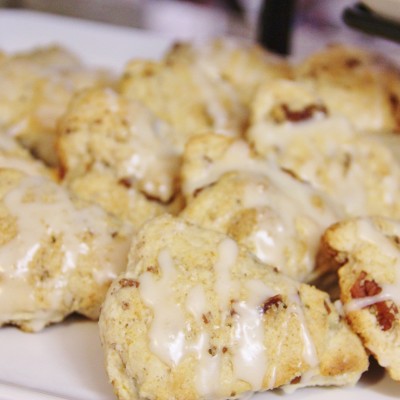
(366, 253)
(359, 171)
(35, 88)
(185, 96)
(242, 64)
(102, 131)
(58, 255)
(352, 80)
(172, 325)
(278, 218)
(120, 198)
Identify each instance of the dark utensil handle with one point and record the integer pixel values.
(275, 25)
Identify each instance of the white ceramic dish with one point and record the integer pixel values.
(65, 361)
(386, 8)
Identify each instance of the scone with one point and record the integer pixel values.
(207, 157)
(58, 255)
(35, 88)
(119, 198)
(185, 96)
(14, 156)
(359, 171)
(366, 251)
(278, 218)
(359, 85)
(102, 131)
(242, 64)
(195, 316)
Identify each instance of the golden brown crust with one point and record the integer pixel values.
(281, 229)
(58, 254)
(185, 96)
(368, 253)
(35, 89)
(242, 64)
(129, 322)
(348, 78)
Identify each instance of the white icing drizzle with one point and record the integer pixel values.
(283, 203)
(169, 327)
(42, 209)
(153, 157)
(369, 233)
(196, 302)
(309, 351)
(209, 369)
(167, 332)
(142, 150)
(317, 151)
(211, 88)
(236, 158)
(250, 355)
(224, 286)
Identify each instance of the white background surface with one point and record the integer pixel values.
(65, 361)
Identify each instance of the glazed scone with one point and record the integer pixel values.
(35, 88)
(366, 251)
(242, 64)
(102, 131)
(185, 96)
(355, 83)
(359, 171)
(58, 255)
(119, 198)
(207, 157)
(279, 219)
(14, 156)
(195, 316)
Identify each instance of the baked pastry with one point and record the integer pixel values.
(195, 316)
(278, 218)
(14, 156)
(102, 131)
(58, 255)
(116, 153)
(359, 171)
(35, 88)
(366, 253)
(185, 96)
(207, 157)
(119, 198)
(244, 65)
(362, 86)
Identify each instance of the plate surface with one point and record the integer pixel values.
(65, 361)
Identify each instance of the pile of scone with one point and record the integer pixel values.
(222, 192)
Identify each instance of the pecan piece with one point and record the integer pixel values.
(364, 287)
(274, 301)
(304, 114)
(129, 283)
(385, 314)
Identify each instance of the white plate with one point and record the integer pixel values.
(386, 8)
(97, 44)
(65, 361)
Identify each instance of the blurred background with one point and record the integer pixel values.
(315, 22)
